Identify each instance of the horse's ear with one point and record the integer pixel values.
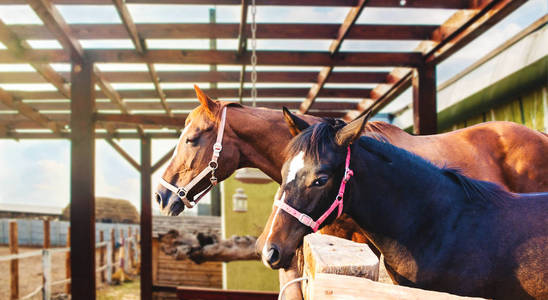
(295, 123)
(204, 99)
(352, 131)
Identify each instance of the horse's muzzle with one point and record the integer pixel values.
(170, 204)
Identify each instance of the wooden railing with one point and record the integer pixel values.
(127, 258)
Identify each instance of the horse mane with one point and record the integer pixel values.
(319, 137)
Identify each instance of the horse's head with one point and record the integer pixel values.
(312, 176)
(193, 154)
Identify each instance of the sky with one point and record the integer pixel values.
(37, 172)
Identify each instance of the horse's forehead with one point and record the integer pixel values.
(295, 165)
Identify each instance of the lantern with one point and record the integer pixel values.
(239, 201)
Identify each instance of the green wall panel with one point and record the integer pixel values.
(248, 275)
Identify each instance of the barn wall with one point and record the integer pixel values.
(248, 275)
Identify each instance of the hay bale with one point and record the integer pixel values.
(109, 210)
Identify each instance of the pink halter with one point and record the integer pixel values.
(308, 221)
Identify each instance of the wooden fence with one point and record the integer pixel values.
(128, 258)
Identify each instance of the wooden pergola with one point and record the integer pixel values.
(35, 114)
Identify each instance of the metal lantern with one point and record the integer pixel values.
(250, 175)
(239, 201)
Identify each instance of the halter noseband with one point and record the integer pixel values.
(308, 221)
(182, 192)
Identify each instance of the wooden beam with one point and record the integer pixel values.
(425, 114)
(109, 91)
(282, 58)
(98, 135)
(448, 4)
(242, 33)
(210, 76)
(146, 219)
(141, 119)
(140, 46)
(19, 47)
(82, 208)
(226, 31)
(461, 28)
(54, 21)
(218, 93)
(163, 160)
(123, 153)
(29, 112)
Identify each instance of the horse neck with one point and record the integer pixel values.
(398, 201)
(262, 135)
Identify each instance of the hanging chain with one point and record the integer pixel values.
(253, 53)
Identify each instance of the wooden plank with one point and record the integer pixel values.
(14, 263)
(82, 208)
(123, 153)
(141, 119)
(19, 47)
(159, 89)
(163, 160)
(209, 76)
(146, 219)
(214, 93)
(99, 135)
(448, 4)
(54, 21)
(425, 114)
(330, 286)
(29, 112)
(227, 30)
(220, 294)
(282, 58)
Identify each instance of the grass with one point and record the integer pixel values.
(126, 291)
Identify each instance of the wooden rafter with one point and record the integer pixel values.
(54, 21)
(140, 47)
(18, 47)
(226, 31)
(29, 112)
(211, 76)
(215, 93)
(449, 4)
(281, 58)
(451, 36)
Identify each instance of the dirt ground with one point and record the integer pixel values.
(30, 273)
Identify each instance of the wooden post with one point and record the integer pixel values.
(146, 220)
(47, 236)
(425, 115)
(82, 207)
(113, 248)
(130, 247)
(109, 263)
(102, 254)
(46, 271)
(67, 263)
(14, 264)
(121, 250)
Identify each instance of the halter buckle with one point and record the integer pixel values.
(306, 220)
(213, 164)
(181, 192)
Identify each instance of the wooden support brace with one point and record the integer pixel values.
(123, 153)
(163, 160)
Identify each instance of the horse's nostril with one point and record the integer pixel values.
(273, 255)
(158, 198)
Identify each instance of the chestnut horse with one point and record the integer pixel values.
(503, 152)
(437, 228)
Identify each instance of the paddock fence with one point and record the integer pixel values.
(118, 250)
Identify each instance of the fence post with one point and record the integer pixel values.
(14, 264)
(127, 258)
(130, 248)
(109, 262)
(113, 248)
(102, 254)
(47, 236)
(67, 264)
(136, 253)
(46, 269)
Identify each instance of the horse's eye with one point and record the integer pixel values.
(190, 140)
(320, 181)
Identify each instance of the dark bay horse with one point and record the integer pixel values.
(438, 229)
(507, 153)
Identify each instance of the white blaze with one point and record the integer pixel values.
(265, 250)
(296, 164)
